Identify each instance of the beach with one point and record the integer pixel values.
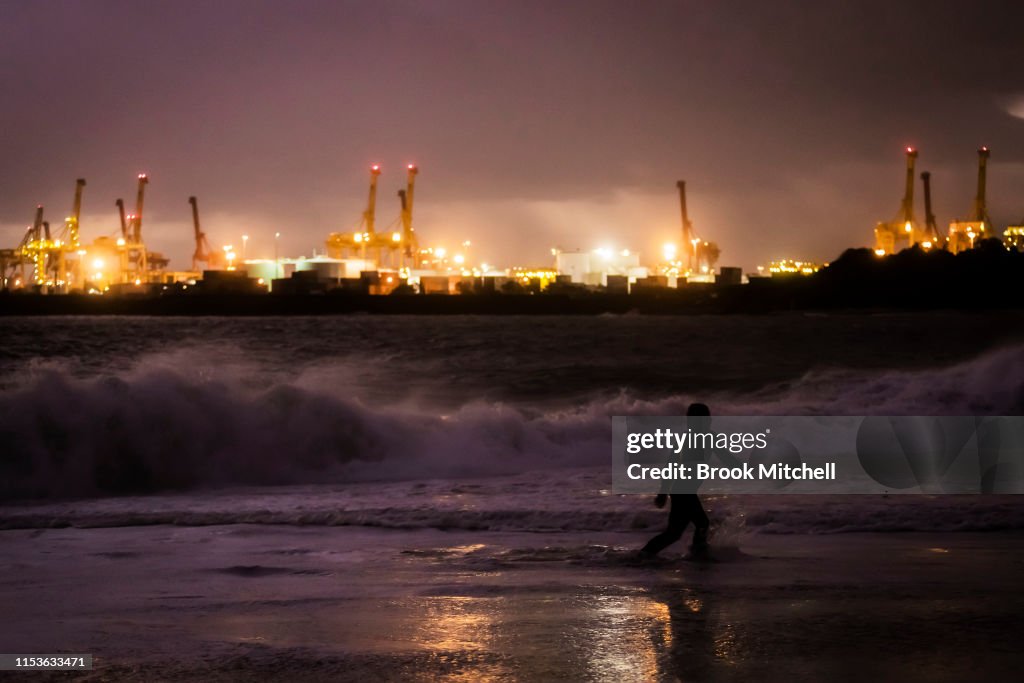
(349, 603)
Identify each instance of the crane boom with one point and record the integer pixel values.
(689, 245)
(124, 221)
(197, 255)
(408, 235)
(37, 224)
(369, 216)
(76, 213)
(908, 193)
(931, 229)
(140, 198)
(980, 206)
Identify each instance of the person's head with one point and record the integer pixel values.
(699, 416)
(698, 409)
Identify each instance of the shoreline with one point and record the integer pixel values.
(728, 300)
(350, 603)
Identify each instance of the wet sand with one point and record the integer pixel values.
(342, 603)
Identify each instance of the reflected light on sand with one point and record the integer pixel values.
(621, 646)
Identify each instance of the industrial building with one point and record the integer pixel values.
(594, 267)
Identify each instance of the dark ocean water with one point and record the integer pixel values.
(94, 406)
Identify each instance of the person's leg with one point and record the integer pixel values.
(701, 524)
(677, 519)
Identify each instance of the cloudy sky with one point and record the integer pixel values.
(535, 124)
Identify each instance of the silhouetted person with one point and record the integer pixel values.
(685, 507)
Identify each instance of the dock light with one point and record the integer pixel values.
(926, 244)
(359, 237)
(625, 252)
(879, 252)
(375, 168)
(97, 264)
(604, 252)
(396, 237)
(907, 227)
(440, 252)
(460, 259)
(120, 241)
(411, 167)
(138, 282)
(668, 250)
(82, 252)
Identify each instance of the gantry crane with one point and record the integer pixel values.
(964, 233)
(889, 234)
(701, 255)
(410, 246)
(399, 247)
(202, 253)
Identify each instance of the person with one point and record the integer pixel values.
(685, 508)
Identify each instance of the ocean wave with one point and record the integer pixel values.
(160, 426)
(563, 506)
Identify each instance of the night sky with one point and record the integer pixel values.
(535, 124)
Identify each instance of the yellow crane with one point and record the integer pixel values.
(888, 235)
(964, 233)
(398, 245)
(410, 247)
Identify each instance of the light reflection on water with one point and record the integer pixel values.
(603, 634)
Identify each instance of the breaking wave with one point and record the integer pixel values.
(158, 426)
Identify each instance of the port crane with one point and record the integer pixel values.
(400, 245)
(410, 251)
(701, 255)
(202, 253)
(964, 233)
(889, 234)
